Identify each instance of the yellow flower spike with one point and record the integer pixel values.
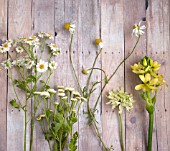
(145, 62)
(67, 26)
(97, 41)
(147, 77)
(153, 81)
(141, 86)
(142, 77)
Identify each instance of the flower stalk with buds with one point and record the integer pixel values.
(147, 70)
(120, 99)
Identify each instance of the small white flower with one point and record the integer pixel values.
(19, 62)
(41, 34)
(49, 35)
(76, 93)
(138, 29)
(29, 64)
(61, 94)
(45, 94)
(5, 47)
(53, 65)
(53, 46)
(7, 64)
(19, 49)
(71, 27)
(69, 89)
(2, 49)
(52, 91)
(42, 66)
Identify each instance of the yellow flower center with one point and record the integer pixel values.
(41, 66)
(5, 45)
(98, 41)
(67, 26)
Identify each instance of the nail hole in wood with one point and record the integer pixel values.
(73, 52)
(66, 51)
(89, 52)
(156, 52)
(163, 52)
(105, 52)
(55, 34)
(165, 110)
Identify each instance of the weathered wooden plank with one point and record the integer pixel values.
(136, 120)
(19, 24)
(89, 30)
(3, 78)
(158, 45)
(43, 21)
(113, 53)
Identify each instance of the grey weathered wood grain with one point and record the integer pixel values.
(89, 30)
(112, 21)
(136, 120)
(3, 78)
(19, 25)
(112, 34)
(158, 44)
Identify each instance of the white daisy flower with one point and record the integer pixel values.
(19, 62)
(52, 91)
(138, 29)
(7, 64)
(49, 36)
(53, 65)
(19, 49)
(70, 27)
(55, 49)
(29, 64)
(6, 46)
(41, 34)
(2, 49)
(42, 66)
(53, 46)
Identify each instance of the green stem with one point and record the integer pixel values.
(25, 128)
(115, 72)
(121, 132)
(150, 131)
(97, 130)
(33, 113)
(71, 62)
(88, 80)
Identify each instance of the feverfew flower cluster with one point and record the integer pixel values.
(120, 99)
(25, 47)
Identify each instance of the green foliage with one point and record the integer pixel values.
(59, 118)
(72, 145)
(14, 104)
